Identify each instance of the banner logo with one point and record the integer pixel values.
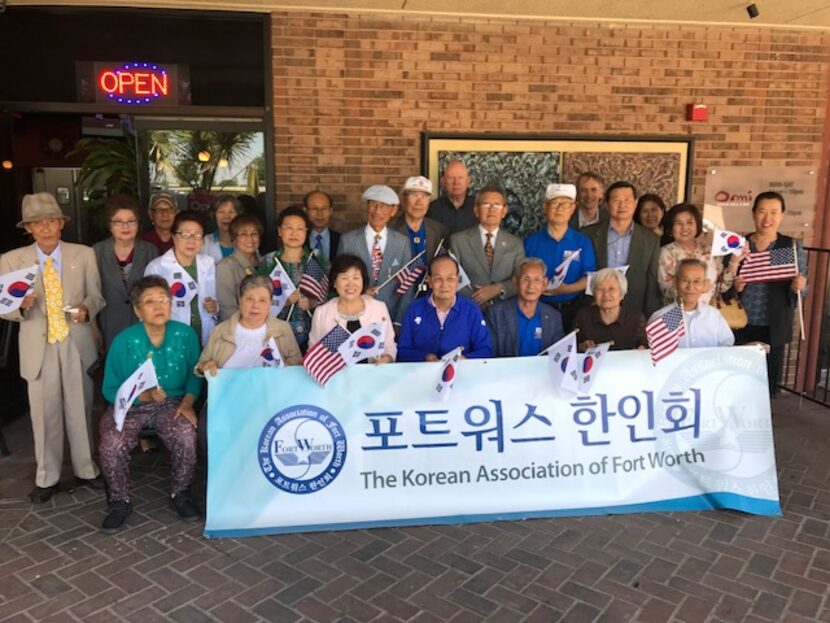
(302, 449)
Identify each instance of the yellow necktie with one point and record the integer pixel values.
(56, 327)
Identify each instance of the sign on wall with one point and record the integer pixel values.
(731, 191)
(374, 448)
(133, 83)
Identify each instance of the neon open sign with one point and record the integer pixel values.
(133, 83)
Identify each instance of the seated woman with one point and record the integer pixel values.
(246, 231)
(220, 243)
(607, 320)
(684, 233)
(238, 342)
(186, 271)
(353, 308)
(168, 409)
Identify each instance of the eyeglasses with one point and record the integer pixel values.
(319, 210)
(560, 205)
(161, 300)
(119, 223)
(245, 234)
(488, 204)
(189, 236)
(165, 210)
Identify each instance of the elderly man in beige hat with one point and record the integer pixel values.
(163, 211)
(425, 234)
(56, 343)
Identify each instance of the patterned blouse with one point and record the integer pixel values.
(673, 253)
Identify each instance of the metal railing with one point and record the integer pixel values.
(807, 362)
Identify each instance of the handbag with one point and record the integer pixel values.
(732, 310)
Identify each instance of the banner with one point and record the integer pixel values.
(376, 448)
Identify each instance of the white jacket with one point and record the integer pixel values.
(205, 282)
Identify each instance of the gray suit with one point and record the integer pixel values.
(119, 314)
(643, 290)
(508, 254)
(395, 257)
(60, 390)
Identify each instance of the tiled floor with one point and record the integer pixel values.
(715, 566)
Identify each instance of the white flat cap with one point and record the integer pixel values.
(381, 193)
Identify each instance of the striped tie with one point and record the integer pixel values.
(377, 259)
(56, 328)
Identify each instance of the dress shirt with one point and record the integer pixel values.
(619, 246)
(483, 233)
(55, 255)
(325, 241)
(370, 240)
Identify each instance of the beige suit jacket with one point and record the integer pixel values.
(81, 285)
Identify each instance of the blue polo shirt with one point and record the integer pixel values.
(530, 333)
(553, 253)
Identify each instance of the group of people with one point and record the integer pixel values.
(195, 301)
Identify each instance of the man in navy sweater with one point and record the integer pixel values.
(436, 324)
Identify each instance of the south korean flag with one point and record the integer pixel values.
(182, 287)
(14, 287)
(363, 344)
(727, 243)
(449, 369)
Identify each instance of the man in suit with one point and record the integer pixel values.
(488, 254)
(455, 207)
(523, 326)
(384, 251)
(622, 242)
(589, 189)
(322, 238)
(56, 343)
(424, 233)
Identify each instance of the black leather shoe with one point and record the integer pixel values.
(184, 505)
(116, 516)
(96, 483)
(39, 495)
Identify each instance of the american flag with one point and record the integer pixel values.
(322, 361)
(315, 281)
(664, 333)
(770, 265)
(410, 274)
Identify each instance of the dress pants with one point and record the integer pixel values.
(61, 398)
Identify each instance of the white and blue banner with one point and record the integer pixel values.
(376, 448)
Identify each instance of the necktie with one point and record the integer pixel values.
(56, 328)
(318, 242)
(489, 252)
(377, 259)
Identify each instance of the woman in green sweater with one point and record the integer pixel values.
(168, 409)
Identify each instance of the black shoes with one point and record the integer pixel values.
(184, 505)
(117, 515)
(39, 495)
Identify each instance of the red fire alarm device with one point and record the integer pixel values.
(697, 112)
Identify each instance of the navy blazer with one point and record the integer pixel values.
(503, 324)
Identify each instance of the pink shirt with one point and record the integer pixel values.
(326, 316)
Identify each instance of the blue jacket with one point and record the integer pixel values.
(504, 327)
(421, 333)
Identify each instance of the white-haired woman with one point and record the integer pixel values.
(608, 320)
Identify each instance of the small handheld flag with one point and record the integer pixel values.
(589, 366)
(363, 344)
(315, 281)
(770, 265)
(14, 286)
(323, 360)
(727, 243)
(562, 359)
(559, 273)
(664, 333)
(449, 369)
(463, 278)
(143, 378)
(283, 288)
(410, 274)
(270, 356)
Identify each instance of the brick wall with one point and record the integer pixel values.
(352, 93)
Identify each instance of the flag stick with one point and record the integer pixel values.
(404, 267)
(798, 294)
